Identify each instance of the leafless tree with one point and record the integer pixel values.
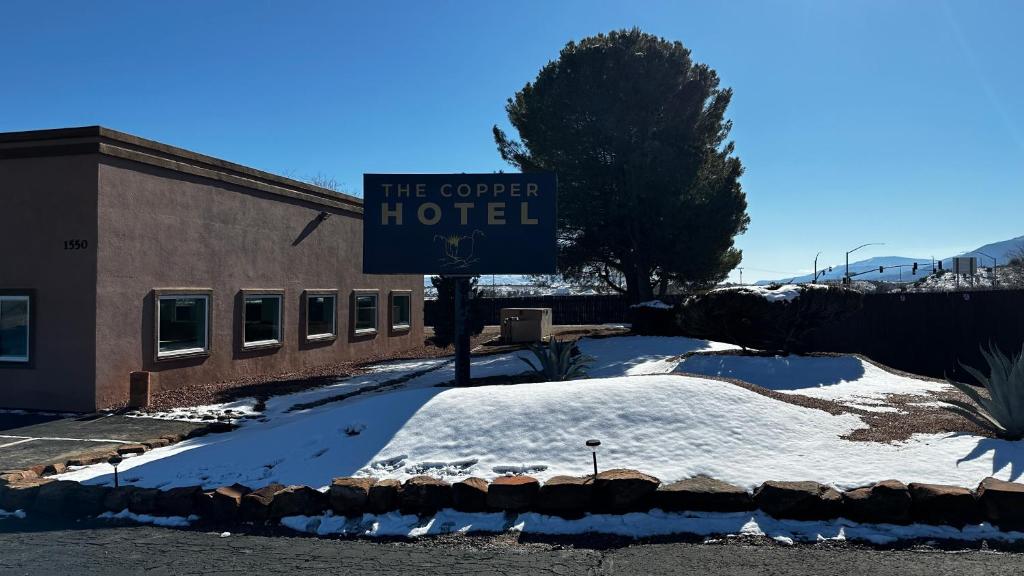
(324, 181)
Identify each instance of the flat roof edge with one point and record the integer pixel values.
(55, 141)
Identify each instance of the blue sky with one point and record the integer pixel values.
(858, 121)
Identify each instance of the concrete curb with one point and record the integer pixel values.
(620, 491)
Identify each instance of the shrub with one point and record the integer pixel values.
(778, 319)
(558, 360)
(1003, 410)
(444, 320)
(654, 319)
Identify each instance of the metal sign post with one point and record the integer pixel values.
(461, 331)
(460, 226)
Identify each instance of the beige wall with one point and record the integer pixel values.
(165, 229)
(44, 202)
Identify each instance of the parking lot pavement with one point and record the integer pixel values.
(34, 546)
(28, 439)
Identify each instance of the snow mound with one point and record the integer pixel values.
(671, 426)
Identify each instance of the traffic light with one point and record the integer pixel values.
(913, 270)
(940, 264)
(881, 269)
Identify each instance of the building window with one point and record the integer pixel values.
(183, 325)
(401, 310)
(261, 319)
(366, 312)
(321, 315)
(14, 328)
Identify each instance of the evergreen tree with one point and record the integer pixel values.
(648, 185)
(444, 319)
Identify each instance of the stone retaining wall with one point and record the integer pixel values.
(613, 491)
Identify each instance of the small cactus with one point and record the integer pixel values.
(558, 360)
(1003, 410)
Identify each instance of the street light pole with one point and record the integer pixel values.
(854, 250)
(815, 281)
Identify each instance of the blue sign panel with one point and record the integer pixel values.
(459, 223)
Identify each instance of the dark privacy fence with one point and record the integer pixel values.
(597, 309)
(928, 333)
(924, 333)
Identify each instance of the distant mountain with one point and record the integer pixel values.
(890, 274)
(1001, 251)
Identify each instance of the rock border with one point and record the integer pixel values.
(616, 491)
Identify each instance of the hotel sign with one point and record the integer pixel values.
(459, 223)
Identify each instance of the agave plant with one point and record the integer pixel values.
(558, 360)
(1003, 410)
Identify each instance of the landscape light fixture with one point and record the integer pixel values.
(114, 461)
(593, 444)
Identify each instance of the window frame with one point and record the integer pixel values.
(169, 293)
(30, 359)
(324, 337)
(391, 310)
(356, 331)
(263, 293)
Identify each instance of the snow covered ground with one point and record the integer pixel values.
(848, 380)
(614, 357)
(670, 425)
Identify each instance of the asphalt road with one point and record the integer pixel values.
(31, 438)
(95, 547)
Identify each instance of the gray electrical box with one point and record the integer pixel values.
(524, 325)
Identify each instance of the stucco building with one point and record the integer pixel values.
(122, 254)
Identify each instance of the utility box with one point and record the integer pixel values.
(522, 325)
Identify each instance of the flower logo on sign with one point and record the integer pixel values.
(457, 250)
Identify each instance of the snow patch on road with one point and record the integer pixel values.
(169, 521)
(640, 525)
